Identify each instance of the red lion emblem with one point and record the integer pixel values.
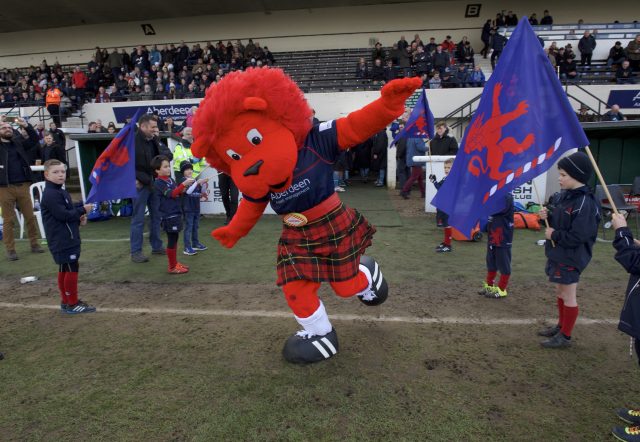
(486, 135)
(116, 153)
(496, 236)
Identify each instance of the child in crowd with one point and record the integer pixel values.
(573, 220)
(628, 255)
(62, 220)
(191, 209)
(170, 208)
(442, 219)
(500, 232)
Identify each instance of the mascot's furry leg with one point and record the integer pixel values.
(318, 340)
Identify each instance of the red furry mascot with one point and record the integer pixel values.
(256, 126)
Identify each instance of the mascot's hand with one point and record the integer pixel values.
(226, 236)
(363, 123)
(242, 222)
(396, 92)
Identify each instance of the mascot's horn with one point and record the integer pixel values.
(254, 103)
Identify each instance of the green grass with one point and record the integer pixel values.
(135, 376)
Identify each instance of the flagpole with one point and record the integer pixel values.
(430, 160)
(546, 220)
(601, 179)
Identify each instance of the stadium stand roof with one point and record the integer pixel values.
(23, 16)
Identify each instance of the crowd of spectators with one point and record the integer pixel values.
(180, 71)
(143, 74)
(625, 62)
(441, 65)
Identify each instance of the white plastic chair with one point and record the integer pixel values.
(20, 220)
(35, 191)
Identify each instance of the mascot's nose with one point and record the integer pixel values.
(253, 170)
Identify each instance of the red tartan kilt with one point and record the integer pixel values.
(327, 249)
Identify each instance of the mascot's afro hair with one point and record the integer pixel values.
(225, 100)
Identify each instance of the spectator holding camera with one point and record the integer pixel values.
(15, 180)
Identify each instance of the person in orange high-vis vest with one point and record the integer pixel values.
(54, 95)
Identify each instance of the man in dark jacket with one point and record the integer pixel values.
(15, 180)
(617, 54)
(498, 42)
(380, 142)
(586, 45)
(52, 150)
(443, 143)
(147, 147)
(402, 170)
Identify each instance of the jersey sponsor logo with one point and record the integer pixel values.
(295, 190)
(326, 125)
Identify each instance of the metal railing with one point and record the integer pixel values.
(461, 116)
(40, 113)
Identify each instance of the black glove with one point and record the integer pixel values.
(432, 178)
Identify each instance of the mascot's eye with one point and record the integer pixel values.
(233, 154)
(254, 137)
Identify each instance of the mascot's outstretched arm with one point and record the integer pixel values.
(243, 221)
(362, 124)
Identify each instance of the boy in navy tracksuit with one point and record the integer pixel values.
(442, 219)
(573, 229)
(500, 232)
(62, 219)
(191, 210)
(170, 208)
(628, 255)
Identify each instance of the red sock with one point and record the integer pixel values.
(171, 256)
(560, 303)
(569, 320)
(447, 236)
(504, 280)
(491, 275)
(63, 295)
(71, 287)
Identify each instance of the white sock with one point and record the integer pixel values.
(316, 324)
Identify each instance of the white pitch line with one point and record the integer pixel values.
(337, 317)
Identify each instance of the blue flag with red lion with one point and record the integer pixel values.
(523, 125)
(114, 173)
(420, 122)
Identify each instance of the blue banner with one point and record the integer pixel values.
(176, 111)
(522, 126)
(420, 123)
(114, 173)
(626, 99)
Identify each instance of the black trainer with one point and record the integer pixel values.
(379, 290)
(80, 307)
(549, 331)
(303, 348)
(557, 341)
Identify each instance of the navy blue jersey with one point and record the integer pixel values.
(313, 175)
(500, 225)
(191, 201)
(169, 206)
(575, 218)
(628, 255)
(61, 220)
